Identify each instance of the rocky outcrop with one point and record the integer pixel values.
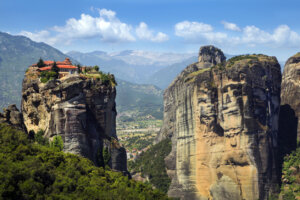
(223, 121)
(12, 116)
(81, 110)
(290, 92)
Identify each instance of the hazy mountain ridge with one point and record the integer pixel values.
(139, 57)
(139, 100)
(130, 65)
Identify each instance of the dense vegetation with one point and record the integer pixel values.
(48, 75)
(290, 188)
(106, 78)
(138, 142)
(29, 170)
(151, 164)
(232, 60)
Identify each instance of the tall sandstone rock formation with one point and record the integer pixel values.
(81, 110)
(290, 92)
(223, 121)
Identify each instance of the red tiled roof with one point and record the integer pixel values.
(59, 66)
(66, 66)
(50, 62)
(45, 68)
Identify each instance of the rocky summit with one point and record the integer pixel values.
(290, 92)
(79, 109)
(222, 117)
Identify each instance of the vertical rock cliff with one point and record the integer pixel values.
(81, 110)
(223, 121)
(290, 92)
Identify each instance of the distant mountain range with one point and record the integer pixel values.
(134, 66)
(16, 54)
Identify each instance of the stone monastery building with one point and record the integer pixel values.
(65, 67)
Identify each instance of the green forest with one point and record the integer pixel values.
(151, 164)
(32, 169)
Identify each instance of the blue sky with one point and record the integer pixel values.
(237, 27)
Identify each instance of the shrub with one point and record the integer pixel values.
(57, 143)
(106, 156)
(96, 68)
(48, 75)
(39, 138)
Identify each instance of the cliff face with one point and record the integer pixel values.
(80, 110)
(11, 115)
(223, 120)
(290, 92)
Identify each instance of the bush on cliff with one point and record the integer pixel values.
(152, 164)
(48, 75)
(57, 143)
(290, 188)
(29, 170)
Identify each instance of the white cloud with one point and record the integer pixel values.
(284, 35)
(230, 26)
(188, 29)
(106, 26)
(41, 36)
(249, 35)
(197, 31)
(144, 33)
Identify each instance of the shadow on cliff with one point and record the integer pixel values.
(287, 134)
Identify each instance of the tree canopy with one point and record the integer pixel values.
(29, 170)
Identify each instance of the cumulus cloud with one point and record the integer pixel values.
(197, 31)
(144, 33)
(249, 35)
(188, 29)
(41, 36)
(106, 26)
(230, 26)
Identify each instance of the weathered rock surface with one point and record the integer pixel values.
(81, 110)
(223, 120)
(12, 116)
(290, 92)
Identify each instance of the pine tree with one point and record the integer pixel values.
(57, 143)
(55, 69)
(96, 68)
(41, 63)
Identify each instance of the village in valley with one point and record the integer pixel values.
(137, 136)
